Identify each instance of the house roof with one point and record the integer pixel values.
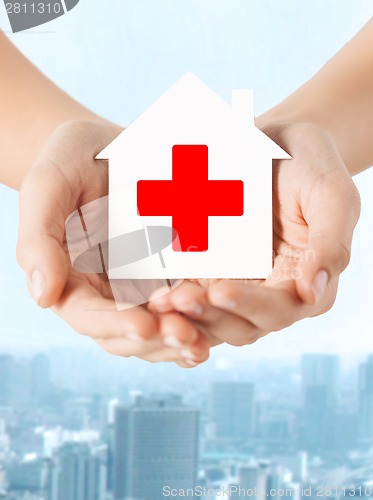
(190, 95)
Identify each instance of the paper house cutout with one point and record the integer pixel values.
(191, 115)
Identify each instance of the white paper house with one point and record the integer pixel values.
(191, 114)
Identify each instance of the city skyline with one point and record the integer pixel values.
(287, 426)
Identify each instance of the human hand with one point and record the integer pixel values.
(64, 178)
(316, 207)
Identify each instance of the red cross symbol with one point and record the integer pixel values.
(190, 198)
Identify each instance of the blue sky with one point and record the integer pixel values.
(117, 57)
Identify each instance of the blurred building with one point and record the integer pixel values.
(155, 445)
(233, 411)
(278, 430)
(320, 377)
(54, 439)
(7, 370)
(365, 403)
(4, 442)
(27, 475)
(253, 481)
(297, 463)
(77, 472)
(276, 479)
(40, 378)
(23, 381)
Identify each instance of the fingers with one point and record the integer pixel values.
(188, 355)
(268, 308)
(184, 338)
(192, 301)
(176, 331)
(197, 354)
(89, 313)
(155, 351)
(41, 233)
(331, 214)
(131, 332)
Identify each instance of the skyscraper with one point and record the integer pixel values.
(365, 395)
(320, 374)
(26, 475)
(40, 377)
(7, 370)
(233, 410)
(275, 482)
(15, 382)
(155, 446)
(21, 393)
(77, 472)
(4, 442)
(253, 480)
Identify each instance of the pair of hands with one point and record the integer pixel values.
(316, 208)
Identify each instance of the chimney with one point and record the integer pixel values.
(243, 103)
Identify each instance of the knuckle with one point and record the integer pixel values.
(32, 179)
(356, 200)
(201, 361)
(27, 183)
(329, 300)
(343, 255)
(101, 336)
(21, 254)
(104, 346)
(254, 339)
(112, 348)
(108, 349)
(245, 340)
(328, 306)
(239, 342)
(285, 322)
(282, 321)
(81, 328)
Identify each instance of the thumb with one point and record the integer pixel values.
(44, 197)
(331, 223)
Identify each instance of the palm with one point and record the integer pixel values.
(293, 187)
(315, 207)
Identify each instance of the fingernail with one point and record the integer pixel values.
(224, 302)
(231, 304)
(194, 308)
(171, 341)
(187, 354)
(161, 309)
(135, 337)
(190, 362)
(37, 285)
(197, 309)
(160, 306)
(320, 283)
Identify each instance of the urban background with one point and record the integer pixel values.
(76, 426)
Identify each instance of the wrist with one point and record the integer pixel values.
(39, 138)
(288, 113)
(328, 117)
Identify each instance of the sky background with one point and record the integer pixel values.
(118, 56)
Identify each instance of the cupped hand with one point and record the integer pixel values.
(316, 208)
(65, 177)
